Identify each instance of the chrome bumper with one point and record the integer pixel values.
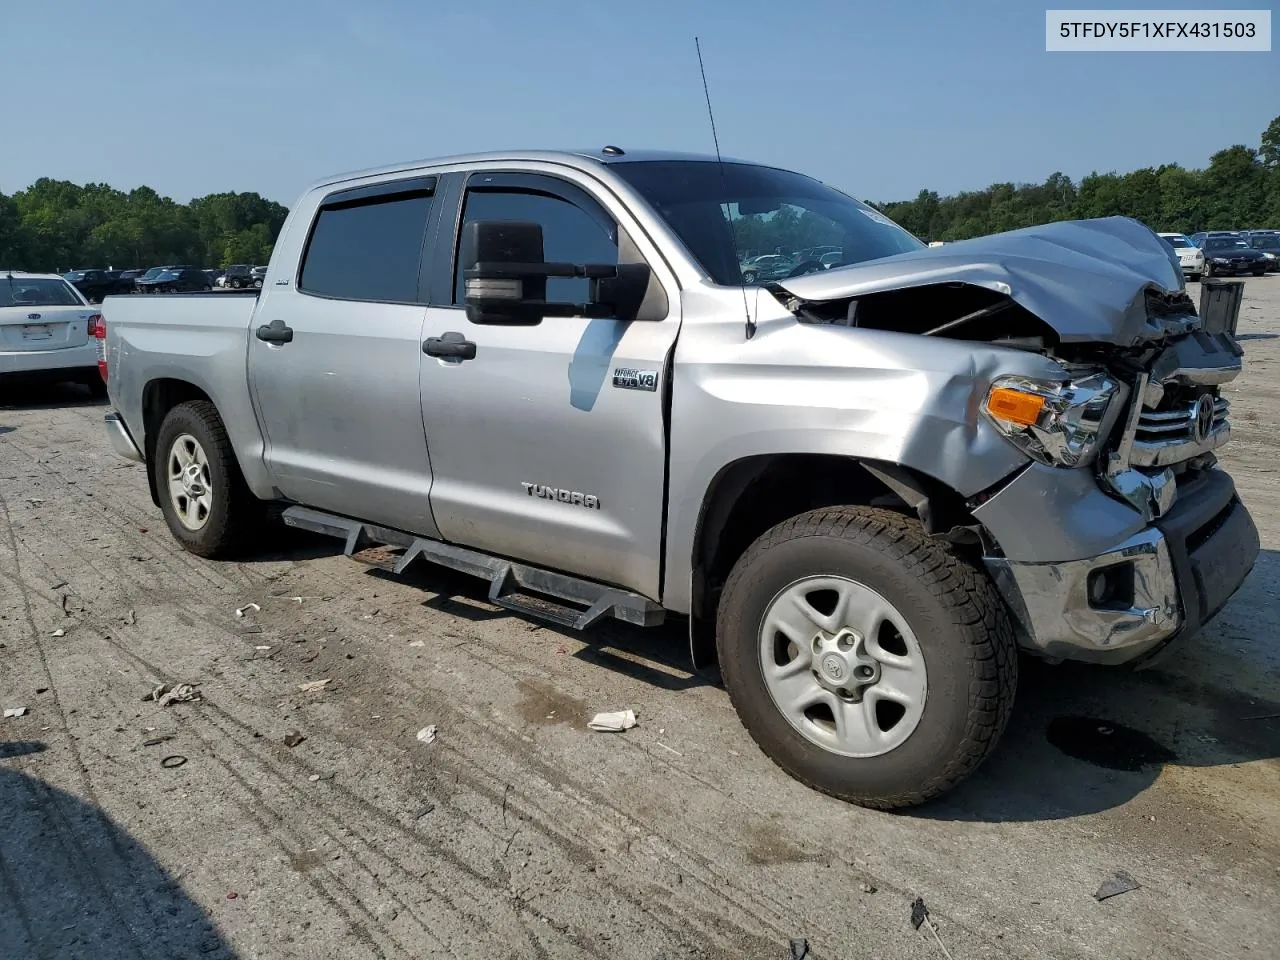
(121, 442)
(1134, 599)
(1052, 602)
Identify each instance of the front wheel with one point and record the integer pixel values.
(1259, 271)
(865, 658)
(205, 501)
(1194, 278)
(749, 277)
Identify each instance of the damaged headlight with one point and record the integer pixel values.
(1058, 424)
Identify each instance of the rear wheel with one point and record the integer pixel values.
(203, 496)
(1259, 271)
(865, 658)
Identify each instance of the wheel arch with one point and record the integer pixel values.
(753, 494)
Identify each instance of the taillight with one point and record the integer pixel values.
(98, 330)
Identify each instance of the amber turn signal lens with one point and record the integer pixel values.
(1014, 406)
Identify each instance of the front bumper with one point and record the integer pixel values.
(1168, 581)
(121, 440)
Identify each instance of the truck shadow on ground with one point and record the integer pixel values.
(1085, 739)
(77, 887)
(47, 395)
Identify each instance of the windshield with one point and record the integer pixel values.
(1267, 241)
(1177, 239)
(726, 214)
(22, 292)
(153, 273)
(1223, 243)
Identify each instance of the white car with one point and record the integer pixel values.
(1189, 255)
(48, 330)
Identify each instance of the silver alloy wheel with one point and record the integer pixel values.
(843, 666)
(190, 487)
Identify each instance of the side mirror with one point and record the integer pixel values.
(505, 278)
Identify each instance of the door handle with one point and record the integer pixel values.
(452, 345)
(275, 332)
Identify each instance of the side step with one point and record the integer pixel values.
(513, 586)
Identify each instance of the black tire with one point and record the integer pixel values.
(234, 513)
(1258, 273)
(1194, 278)
(1208, 270)
(958, 618)
(749, 277)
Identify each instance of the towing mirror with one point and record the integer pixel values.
(505, 277)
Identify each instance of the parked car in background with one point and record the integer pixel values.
(128, 278)
(833, 259)
(47, 330)
(1199, 238)
(259, 274)
(237, 276)
(93, 283)
(1268, 243)
(1190, 257)
(769, 266)
(181, 280)
(146, 282)
(1231, 256)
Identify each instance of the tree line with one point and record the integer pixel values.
(59, 225)
(1238, 190)
(56, 225)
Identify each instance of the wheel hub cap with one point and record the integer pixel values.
(843, 666)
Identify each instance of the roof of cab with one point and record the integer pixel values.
(574, 158)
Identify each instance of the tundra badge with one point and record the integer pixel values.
(588, 500)
(625, 378)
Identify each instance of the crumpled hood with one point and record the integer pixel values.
(1087, 279)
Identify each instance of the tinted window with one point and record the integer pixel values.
(569, 234)
(367, 250)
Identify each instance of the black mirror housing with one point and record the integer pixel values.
(505, 276)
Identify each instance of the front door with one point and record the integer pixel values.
(549, 445)
(335, 353)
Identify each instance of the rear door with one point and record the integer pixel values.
(334, 356)
(550, 444)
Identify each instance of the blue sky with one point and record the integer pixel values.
(880, 99)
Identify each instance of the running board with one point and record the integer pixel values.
(513, 586)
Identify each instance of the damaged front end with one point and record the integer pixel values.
(1133, 422)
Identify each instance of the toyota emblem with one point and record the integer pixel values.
(1202, 424)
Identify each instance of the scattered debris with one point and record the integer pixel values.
(1205, 738)
(427, 734)
(668, 749)
(167, 693)
(313, 686)
(424, 810)
(317, 777)
(1106, 731)
(59, 585)
(293, 738)
(40, 690)
(131, 618)
(156, 741)
(172, 761)
(248, 606)
(1116, 884)
(613, 722)
(920, 915)
(232, 895)
(34, 501)
(868, 887)
(799, 948)
(59, 632)
(417, 643)
(15, 712)
(249, 627)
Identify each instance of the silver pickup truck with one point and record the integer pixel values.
(865, 487)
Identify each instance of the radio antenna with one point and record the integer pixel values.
(724, 186)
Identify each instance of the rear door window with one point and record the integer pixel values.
(367, 244)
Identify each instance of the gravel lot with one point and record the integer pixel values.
(518, 833)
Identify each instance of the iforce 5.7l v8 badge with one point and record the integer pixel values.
(624, 378)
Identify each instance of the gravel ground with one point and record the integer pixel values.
(518, 833)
